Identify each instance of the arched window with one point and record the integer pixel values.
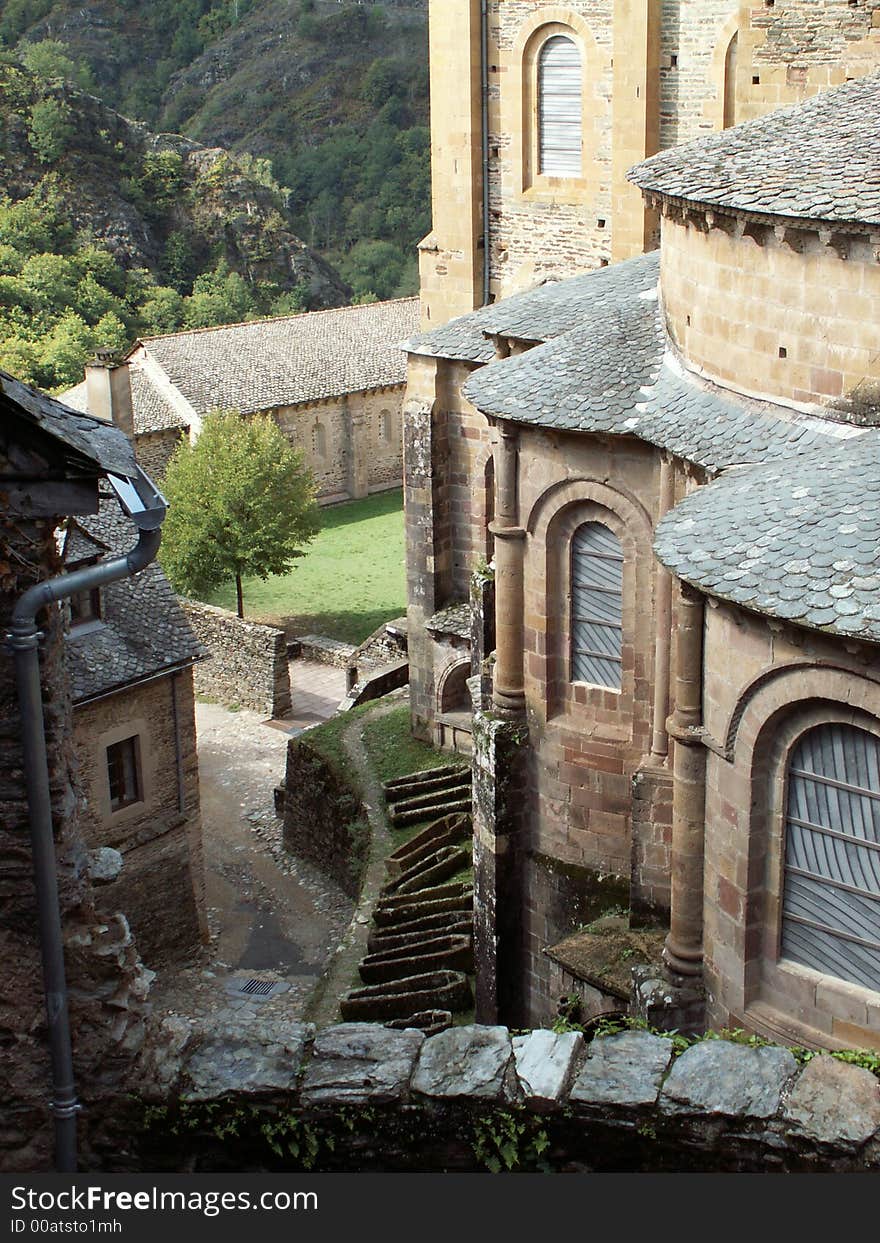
(319, 440)
(560, 108)
(831, 898)
(596, 605)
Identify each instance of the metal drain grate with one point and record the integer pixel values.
(257, 988)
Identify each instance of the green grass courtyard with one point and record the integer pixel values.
(351, 579)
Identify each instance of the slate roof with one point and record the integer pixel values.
(454, 619)
(615, 374)
(819, 160)
(83, 436)
(264, 364)
(143, 629)
(151, 410)
(794, 538)
(539, 314)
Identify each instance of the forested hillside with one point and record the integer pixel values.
(333, 93)
(108, 231)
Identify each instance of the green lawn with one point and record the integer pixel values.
(351, 579)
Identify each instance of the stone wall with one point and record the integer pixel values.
(360, 1097)
(160, 836)
(248, 662)
(749, 306)
(106, 981)
(353, 444)
(154, 450)
(765, 684)
(323, 821)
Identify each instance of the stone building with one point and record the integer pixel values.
(539, 109)
(673, 464)
(130, 653)
(51, 463)
(332, 380)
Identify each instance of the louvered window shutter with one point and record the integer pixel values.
(559, 108)
(831, 902)
(596, 605)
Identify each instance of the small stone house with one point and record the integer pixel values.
(130, 651)
(332, 380)
(672, 465)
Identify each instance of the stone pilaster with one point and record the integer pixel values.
(684, 945)
(499, 786)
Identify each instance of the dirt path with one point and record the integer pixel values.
(272, 917)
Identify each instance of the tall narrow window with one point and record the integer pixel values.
(730, 83)
(596, 606)
(831, 900)
(123, 773)
(560, 108)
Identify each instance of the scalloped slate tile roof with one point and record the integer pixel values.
(819, 160)
(264, 364)
(454, 619)
(796, 539)
(144, 629)
(539, 314)
(88, 438)
(614, 374)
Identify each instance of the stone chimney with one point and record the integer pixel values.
(108, 391)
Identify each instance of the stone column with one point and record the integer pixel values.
(684, 944)
(663, 628)
(508, 694)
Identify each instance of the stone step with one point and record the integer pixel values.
(400, 918)
(430, 871)
(443, 832)
(456, 889)
(416, 789)
(431, 1022)
(438, 990)
(431, 798)
(454, 923)
(443, 953)
(424, 774)
(430, 811)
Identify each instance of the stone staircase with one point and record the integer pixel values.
(420, 948)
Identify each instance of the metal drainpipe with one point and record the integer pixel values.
(484, 92)
(23, 640)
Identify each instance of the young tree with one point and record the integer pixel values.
(240, 502)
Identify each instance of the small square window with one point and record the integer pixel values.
(123, 773)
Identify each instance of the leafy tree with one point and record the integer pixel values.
(48, 60)
(241, 502)
(51, 129)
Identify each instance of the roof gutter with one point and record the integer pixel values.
(146, 507)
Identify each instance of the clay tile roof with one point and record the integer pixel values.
(819, 160)
(265, 364)
(795, 539)
(539, 314)
(92, 439)
(615, 374)
(143, 628)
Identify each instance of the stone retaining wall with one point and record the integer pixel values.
(248, 668)
(360, 1096)
(323, 820)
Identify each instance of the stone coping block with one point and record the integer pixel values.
(357, 1063)
(834, 1103)
(244, 1055)
(468, 1061)
(624, 1070)
(720, 1077)
(545, 1063)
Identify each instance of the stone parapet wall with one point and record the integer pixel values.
(359, 1096)
(248, 666)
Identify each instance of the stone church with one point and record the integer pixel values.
(642, 462)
